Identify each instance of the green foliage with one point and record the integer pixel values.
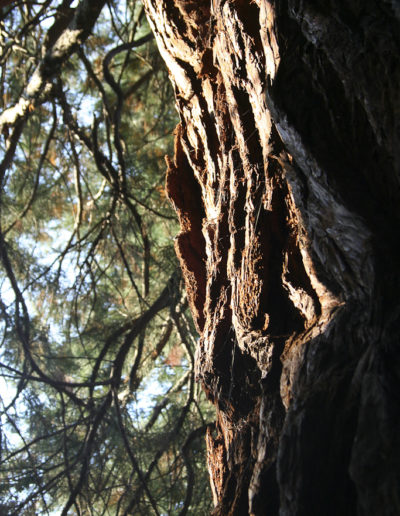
(100, 413)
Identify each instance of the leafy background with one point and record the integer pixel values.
(100, 412)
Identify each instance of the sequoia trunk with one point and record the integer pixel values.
(286, 183)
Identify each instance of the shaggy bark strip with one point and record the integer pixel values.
(286, 183)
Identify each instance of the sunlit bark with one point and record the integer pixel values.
(286, 183)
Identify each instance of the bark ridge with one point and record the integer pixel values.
(286, 183)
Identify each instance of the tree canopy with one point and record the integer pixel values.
(100, 412)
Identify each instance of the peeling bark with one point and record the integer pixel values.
(286, 183)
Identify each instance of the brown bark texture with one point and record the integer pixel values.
(286, 183)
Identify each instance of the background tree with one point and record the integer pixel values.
(100, 413)
(285, 178)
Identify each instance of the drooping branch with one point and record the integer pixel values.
(59, 49)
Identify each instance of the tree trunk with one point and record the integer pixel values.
(286, 183)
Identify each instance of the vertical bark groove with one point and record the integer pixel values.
(286, 183)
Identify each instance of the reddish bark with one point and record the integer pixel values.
(286, 183)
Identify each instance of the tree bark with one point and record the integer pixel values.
(286, 183)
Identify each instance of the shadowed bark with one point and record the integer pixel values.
(286, 183)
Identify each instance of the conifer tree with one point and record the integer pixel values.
(100, 413)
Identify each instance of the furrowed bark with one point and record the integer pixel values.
(286, 183)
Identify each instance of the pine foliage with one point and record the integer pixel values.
(100, 412)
